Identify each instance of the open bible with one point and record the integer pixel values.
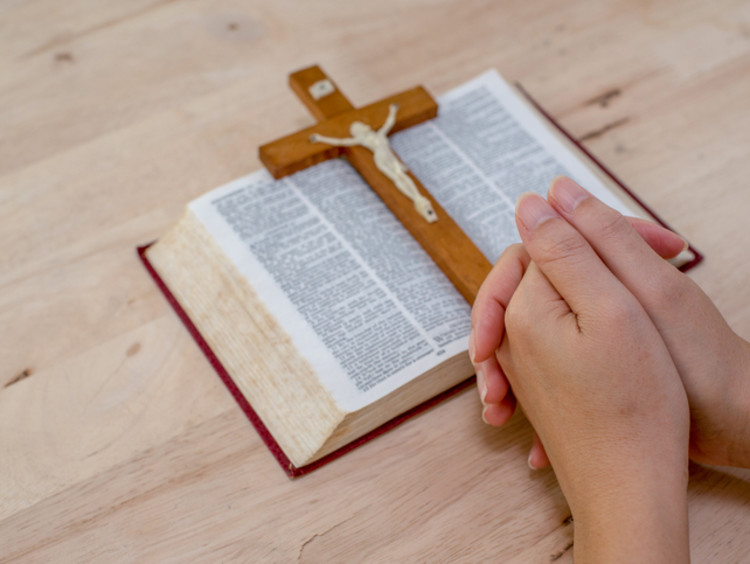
(325, 319)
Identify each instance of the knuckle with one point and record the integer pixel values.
(515, 253)
(613, 225)
(602, 220)
(565, 248)
(670, 291)
(513, 250)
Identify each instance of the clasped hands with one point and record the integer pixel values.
(622, 364)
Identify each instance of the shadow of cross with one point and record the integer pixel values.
(451, 249)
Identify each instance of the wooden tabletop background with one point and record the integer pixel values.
(117, 440)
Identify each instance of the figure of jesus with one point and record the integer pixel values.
(385, 159)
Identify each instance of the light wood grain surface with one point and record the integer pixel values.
(117, 440)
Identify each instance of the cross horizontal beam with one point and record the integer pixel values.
(294, 152)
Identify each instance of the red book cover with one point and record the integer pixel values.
(293, 471)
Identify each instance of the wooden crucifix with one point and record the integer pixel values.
(454, 253)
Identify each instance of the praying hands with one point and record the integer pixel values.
(622, 364)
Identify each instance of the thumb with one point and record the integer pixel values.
(564, 255)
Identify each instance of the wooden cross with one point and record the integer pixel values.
(456, 255)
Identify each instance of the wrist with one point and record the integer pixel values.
(636, 526)
(720, 420)
(738, 448)
(636, 514)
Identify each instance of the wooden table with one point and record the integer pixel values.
(117, 440)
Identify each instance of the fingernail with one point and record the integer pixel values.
(481, 386)
(533, 210)
(472, 347)
(528, 461)
(567, 193)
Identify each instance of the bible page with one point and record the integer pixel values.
(360, 299)
(484, 150)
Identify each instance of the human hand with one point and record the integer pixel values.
(599, 386)
(488, 324)
(713, 362)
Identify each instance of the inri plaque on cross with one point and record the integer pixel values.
(335, 136)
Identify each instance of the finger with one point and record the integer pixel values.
(544, 314)
(488, 312)
(492, 300)
(665, 243)
(538, 458)
(564, 255)
(492, 384)
(498, 402)
(538, 311)
(498, 414)
(612, 238)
